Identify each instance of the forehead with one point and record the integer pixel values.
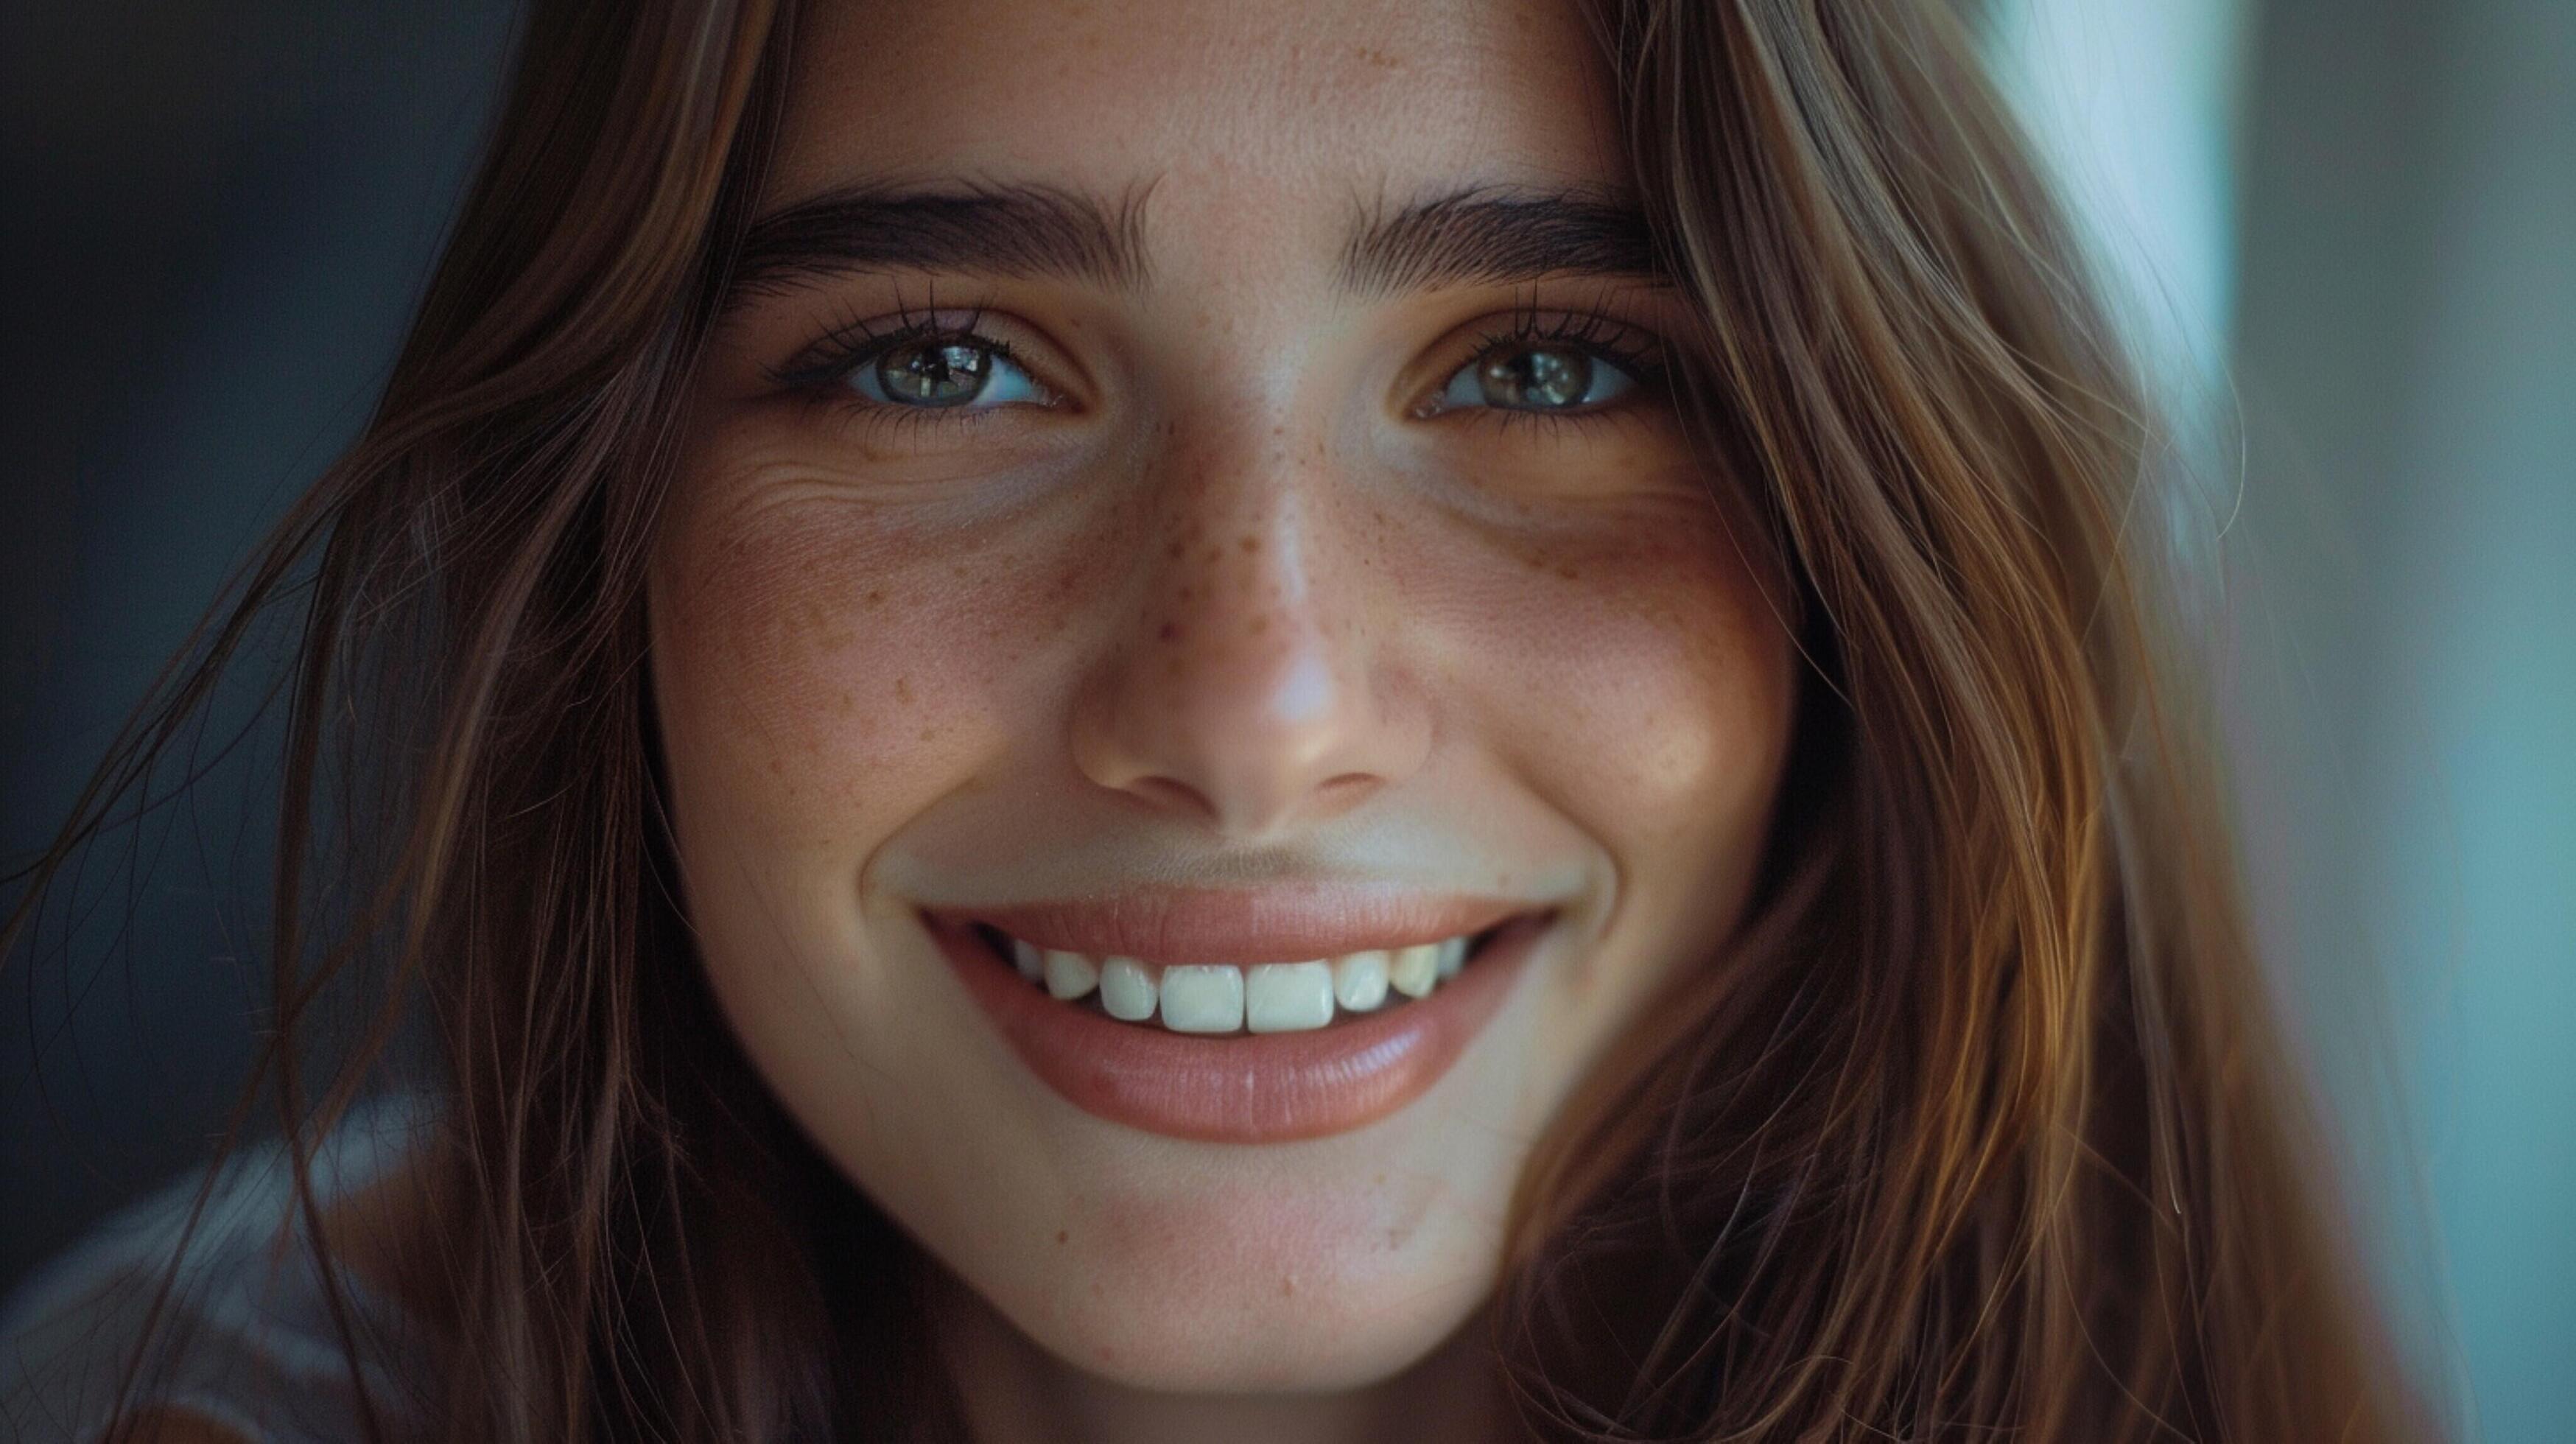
(1219, 105)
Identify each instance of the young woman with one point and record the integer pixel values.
(1292, 721)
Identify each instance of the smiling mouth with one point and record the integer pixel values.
(1242, 1051)
(1224, 998)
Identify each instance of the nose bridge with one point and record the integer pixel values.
(1246, 690)
(1242, 546)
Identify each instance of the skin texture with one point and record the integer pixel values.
(1225, 610)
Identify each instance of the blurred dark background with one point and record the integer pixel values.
(214, 222)
(2348, 233)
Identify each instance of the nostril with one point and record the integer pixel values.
(1346, 791)
(1173, 794)
(1246, 741)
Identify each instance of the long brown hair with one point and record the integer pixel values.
(1981, 1126)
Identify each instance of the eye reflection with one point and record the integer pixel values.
(941, 373)
(1536, 378)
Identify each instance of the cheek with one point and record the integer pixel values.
(1643, 676)
(1639, 681)
(825, 673)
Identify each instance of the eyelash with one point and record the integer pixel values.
(1634, 351)
(822, 370)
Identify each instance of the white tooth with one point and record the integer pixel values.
(1288, 997)
(1030, 962)
(1453, 956)
(1126, 989)
(1413, 970)
(1202, 998)
(1070, 975)
(1359, 981)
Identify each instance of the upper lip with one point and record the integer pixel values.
(1278, 923)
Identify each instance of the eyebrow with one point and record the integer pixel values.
(1485, 234)
(1000, 230)
(1496, 235)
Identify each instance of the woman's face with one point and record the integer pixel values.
(1187, 489)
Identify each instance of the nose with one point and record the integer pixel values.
(1249, 687)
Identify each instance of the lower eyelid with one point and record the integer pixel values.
(877, 421)
(848, 407)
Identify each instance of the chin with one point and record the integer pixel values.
(1343, 1323)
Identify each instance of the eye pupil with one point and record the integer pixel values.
(935, 373)
(1536, 378)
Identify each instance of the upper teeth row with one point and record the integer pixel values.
(1266, 997)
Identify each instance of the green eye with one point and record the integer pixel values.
(1536, 378)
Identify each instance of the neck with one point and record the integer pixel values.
(1015, 1392)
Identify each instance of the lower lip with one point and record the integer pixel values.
(1243, 1088)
